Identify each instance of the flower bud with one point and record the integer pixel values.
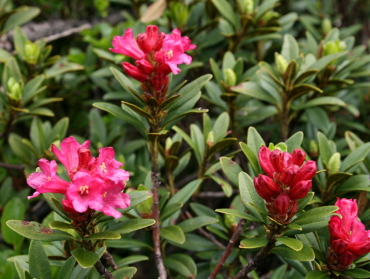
(151, 40)
(332, 47)
(144, 66)
(134, 72)
(84, 156)
(298, 157)
(313, 148)
(266, 187)
(326, 25)
(281, 63)
(276, 160)
(306, 172)
(14, 89)
(289, 174)
(282, 204)
(159, 82)
(230, 77)
(211, 139)
(264, 159)
(334, 163)
(246, 6)
(229, 220)
(32, 52)
(300, 190)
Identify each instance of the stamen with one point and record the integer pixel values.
(169, 54)
(103, 167)
(84, 189)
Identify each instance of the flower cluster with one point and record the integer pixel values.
(287, 180)
(95, 183)
(156, 55)
(348, 237)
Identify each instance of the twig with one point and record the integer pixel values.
(206, 234)
(156, 229)
(213, 194)
(274, 230)
(11, 166)
(109, 259)
(102, 270)
(229, 247)
(68, 32)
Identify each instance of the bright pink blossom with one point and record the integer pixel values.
(127, 45)
(348, 237)
(96, 183)
(287, 179)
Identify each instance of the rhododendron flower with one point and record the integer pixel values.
(156, 55)
(287, 180)
(95, 183)
(348, 237)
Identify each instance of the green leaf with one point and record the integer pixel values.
(250, 198)
(315, 214)
(294, 141)
(220, 145)
(60, 225)
(355, 156)
(292, 243)
(37, 135)
(252, 157)
(334, 101)
(303, 202)
(169, 210)
(254, 90)
(104, 235)
(324, 61)
(66, 271)
(302, 89)
(21, 267)
(192, 224)
(254, 140)
(20, 16)
(226, 10)
(131, 259)
(238, 213)
(304, 76)
(127, 243)
(124, 273)
(198, 140)
(317, 274)
(231, 169)
(85, 258)
(32, 88)
(138, 110)
(290, 49)
(355, 183)
(36, 231)
(128, 226)
(189, 95)
(184, 194)
(226, 187)
(324, 147)
(250, 243)
(14, 209)
(173, 233)
(357, 273)
(306, 254)
(55, 203)
(38, 261)
(264, 8)
(62, 66)
(221, 126)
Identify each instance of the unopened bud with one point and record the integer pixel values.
(14, 89)
(230, 220)
(32, 52)
(334, 163)
(334, 47)
(246, 6)
(230, 77)
(326, 25)
(313, 148)
(210, 139)
(281, 63)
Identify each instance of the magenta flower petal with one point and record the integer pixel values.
(127, 45)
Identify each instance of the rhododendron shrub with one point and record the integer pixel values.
(95, 183)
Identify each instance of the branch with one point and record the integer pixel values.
(156, 235)
(11, 166)
(274, 230)
(229, 247)
(110, 261)
(102, 270)
(206, 234)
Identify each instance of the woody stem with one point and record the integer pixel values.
(156, 227)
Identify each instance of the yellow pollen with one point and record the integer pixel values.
(84, 189)
(103, 167)
(49, 178)
(169, 54)
(104, 195)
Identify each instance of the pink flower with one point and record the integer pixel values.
(288, 179)
(96, 183)
(69, 154)
(47, 181)
(127, 45)
(134, 72)
(348, 237)
(151, 40)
